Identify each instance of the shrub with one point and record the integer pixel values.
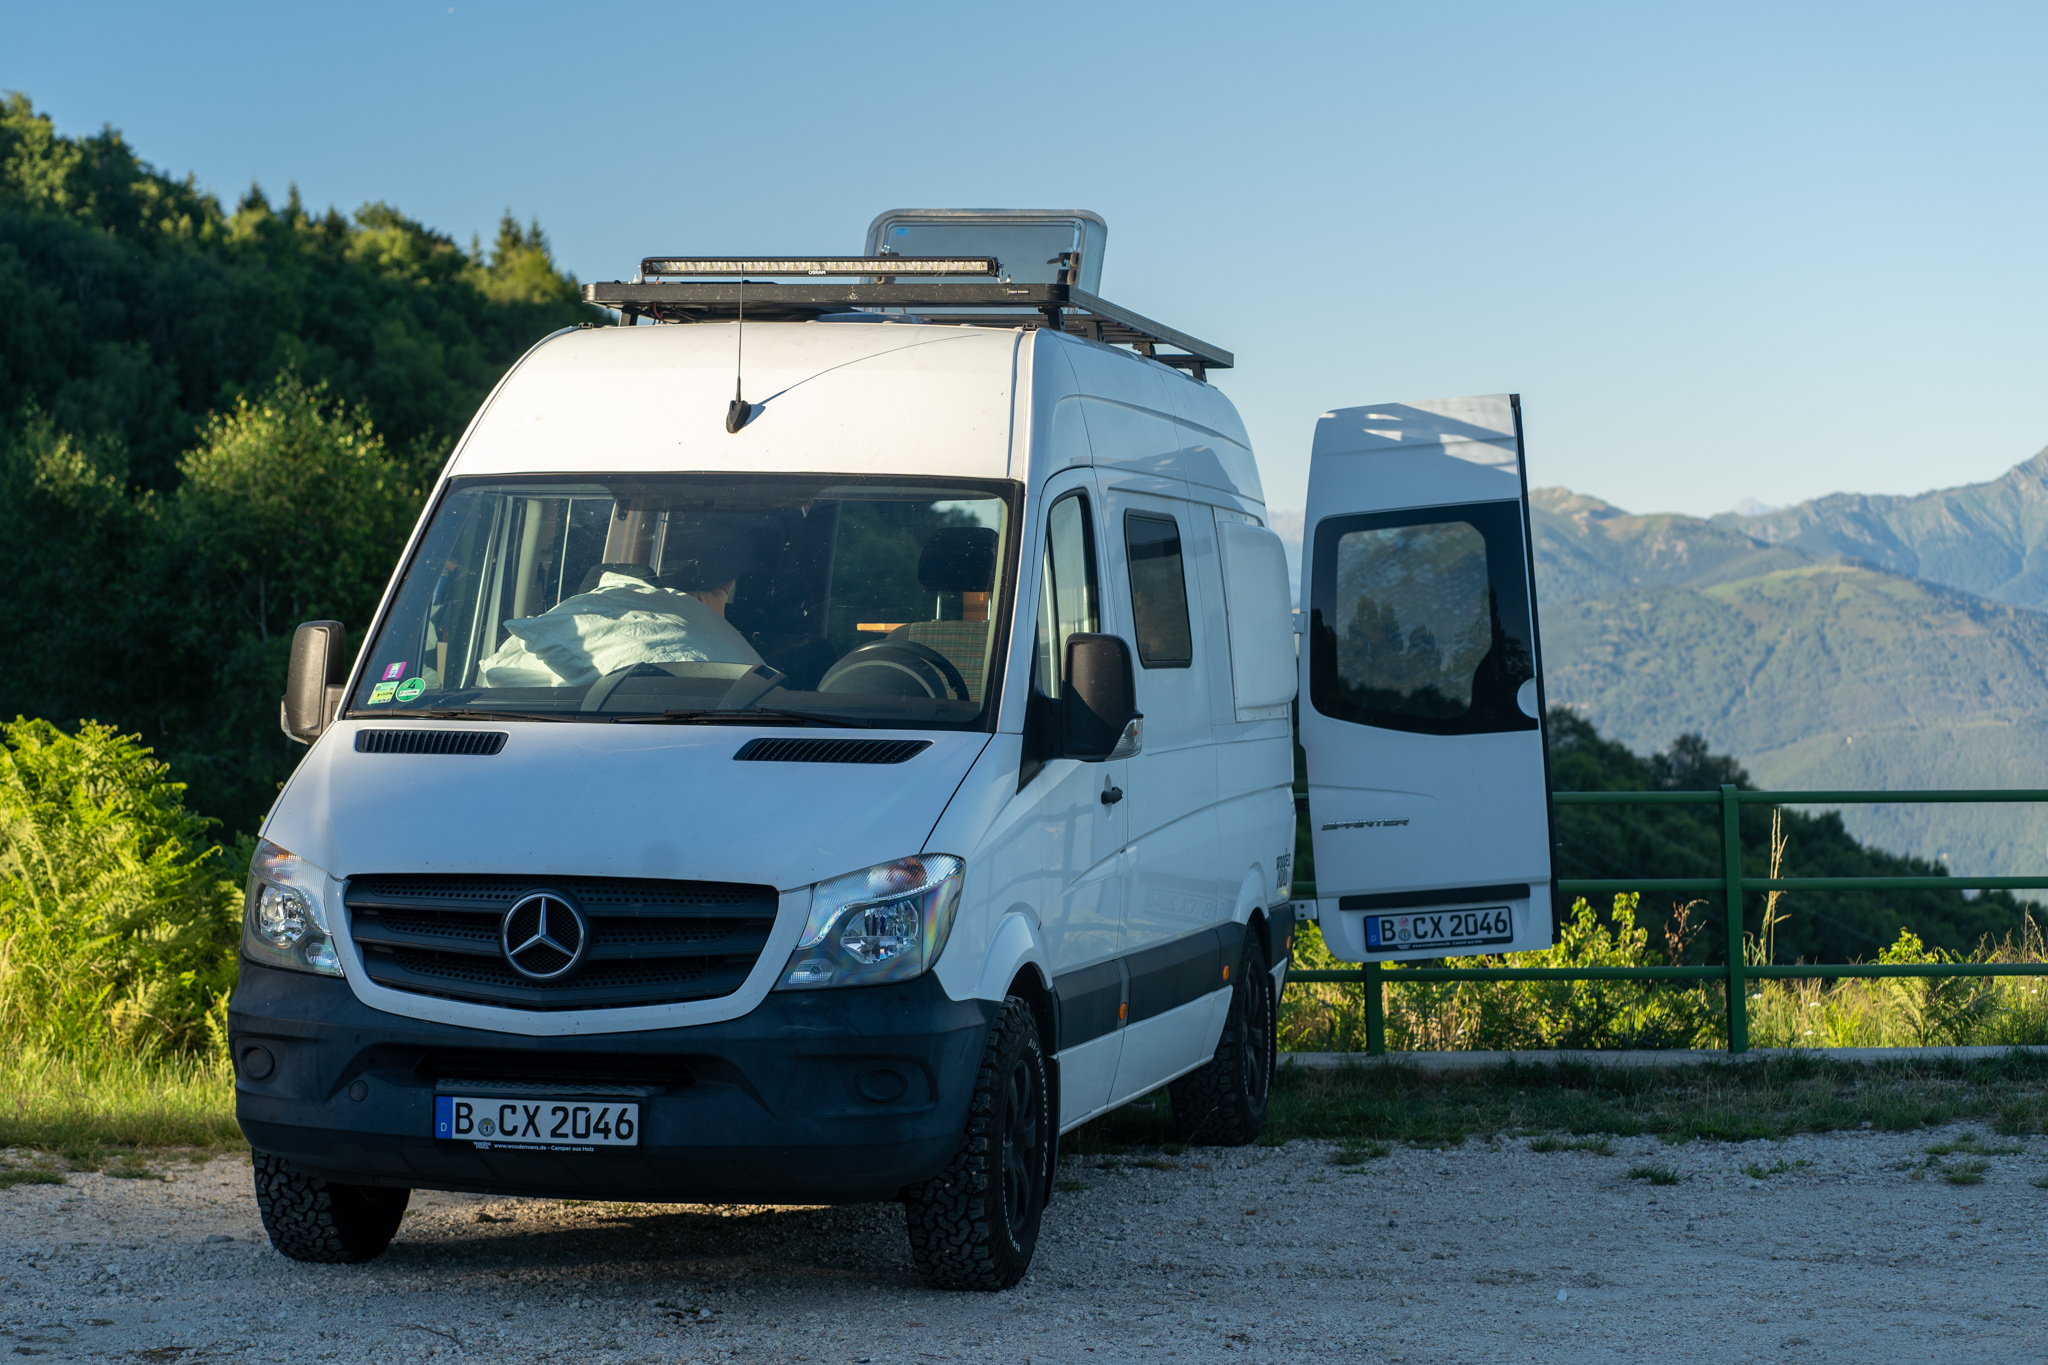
(1423, 1016)
(118, 921)
(1522, 1015)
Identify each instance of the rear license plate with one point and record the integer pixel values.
(1438, 929)
(536, 1125)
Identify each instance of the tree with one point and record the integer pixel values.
(291, 508)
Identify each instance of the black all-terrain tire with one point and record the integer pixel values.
(975, 1225)
(310, 1219)
(1224, 1103)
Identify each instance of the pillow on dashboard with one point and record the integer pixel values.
(623, 621)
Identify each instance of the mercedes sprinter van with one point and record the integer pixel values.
(813, 752)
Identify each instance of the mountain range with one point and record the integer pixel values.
(1851, 641)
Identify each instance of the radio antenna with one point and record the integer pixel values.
(737, 415)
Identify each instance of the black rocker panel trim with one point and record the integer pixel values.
(1091, 1001)
(1450, 895)
(1143, 985)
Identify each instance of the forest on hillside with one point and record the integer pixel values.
(217, 422)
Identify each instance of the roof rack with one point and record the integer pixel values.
(895, 282)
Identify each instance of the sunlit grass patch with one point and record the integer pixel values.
(88, 1111)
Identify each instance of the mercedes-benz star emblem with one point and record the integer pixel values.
(544, 937)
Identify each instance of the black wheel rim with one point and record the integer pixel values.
(1022, 1141)
(1258, 1037)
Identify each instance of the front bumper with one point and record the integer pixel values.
(833, 1096)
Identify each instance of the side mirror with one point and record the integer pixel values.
(313, 687)
(1101, 703)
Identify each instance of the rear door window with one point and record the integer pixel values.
(1420, 621)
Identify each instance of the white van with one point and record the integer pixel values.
(828, 795)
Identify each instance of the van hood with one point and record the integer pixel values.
(600, 800)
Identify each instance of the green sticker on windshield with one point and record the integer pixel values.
(381, 693)
(411, 688)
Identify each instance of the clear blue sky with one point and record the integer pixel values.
(1723, 250)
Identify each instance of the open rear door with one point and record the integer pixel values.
(1421, 688)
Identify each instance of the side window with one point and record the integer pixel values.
(1419, 621)
(1066, 599)
(1159, 591)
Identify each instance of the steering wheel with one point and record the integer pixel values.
(896, 668)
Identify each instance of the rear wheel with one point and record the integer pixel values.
(310, 1219)
(1224, 1103)
(975, 1225)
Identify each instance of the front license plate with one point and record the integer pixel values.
(1438, 929)
(536, 1125)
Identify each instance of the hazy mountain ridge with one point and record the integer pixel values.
(1792, 640)
(1987, 538)
(1586, 548)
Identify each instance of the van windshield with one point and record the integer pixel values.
(862, 601)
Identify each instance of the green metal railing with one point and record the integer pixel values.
(1732, 884)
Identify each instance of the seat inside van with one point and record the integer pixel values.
(958, 559)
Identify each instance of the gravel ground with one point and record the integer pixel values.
(1854, 1250)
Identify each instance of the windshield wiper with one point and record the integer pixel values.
(745, 713)
(464, 713)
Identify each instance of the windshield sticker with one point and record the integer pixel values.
(381, 693)
(395, 672)
(410, 689)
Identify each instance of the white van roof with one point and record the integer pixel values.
(843, 398)
(857, 398)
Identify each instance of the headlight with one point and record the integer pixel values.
(284, 920)
(887, 923)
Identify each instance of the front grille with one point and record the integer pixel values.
(651, 942)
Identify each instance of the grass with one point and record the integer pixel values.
(1724, 1101)
(1599, 1146)
(1969, 1172)
(1574, 1107)
(1656, 1175)
(1358, 1153)
(116, 1115)
(1973, 1144)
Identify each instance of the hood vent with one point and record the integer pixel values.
(831, 750)
(482, 742)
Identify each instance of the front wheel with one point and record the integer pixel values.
(975, 1224)
(1224, 1103)
(310, 1219)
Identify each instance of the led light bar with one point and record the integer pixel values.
(819, 265)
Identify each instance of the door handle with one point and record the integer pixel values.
(1112, 795)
